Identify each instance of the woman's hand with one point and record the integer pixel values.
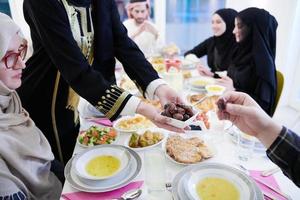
(166, 95)
(154, 115)
(204, 71)
(227, 82)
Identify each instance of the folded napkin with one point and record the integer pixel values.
(102, 121)
(103, 195)
(270, 180)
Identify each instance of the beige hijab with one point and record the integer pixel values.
(25, 150)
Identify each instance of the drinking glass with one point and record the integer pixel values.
(245, 146)
(155, 170)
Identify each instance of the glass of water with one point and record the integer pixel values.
(245, 146)
(155, 170)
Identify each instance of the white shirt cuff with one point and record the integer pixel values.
(151, 88)
(131, 106)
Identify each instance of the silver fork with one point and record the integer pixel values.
(169, 186)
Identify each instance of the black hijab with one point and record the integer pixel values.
(80, 3)
(226, 42)
(260, 44)
(227, 39)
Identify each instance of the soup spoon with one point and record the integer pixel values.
(130, 195)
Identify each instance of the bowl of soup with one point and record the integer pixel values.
(217, 182)
(101, 163)
(215, 89)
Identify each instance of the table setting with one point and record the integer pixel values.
(154, 169)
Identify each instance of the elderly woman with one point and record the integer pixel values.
(252, 69)
(25, 154)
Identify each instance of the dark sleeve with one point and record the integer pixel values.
(51, 23)
(285, 153)
(201, 49)
(127, 52)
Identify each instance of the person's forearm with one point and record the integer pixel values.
(269, 135)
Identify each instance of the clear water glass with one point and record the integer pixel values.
(155, 170)
(245, 146)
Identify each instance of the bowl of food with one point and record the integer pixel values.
(129, 124)
(142, 140)
(97, 135)
(201, 82)
(215, 89)
(180, 115)
(101, 163)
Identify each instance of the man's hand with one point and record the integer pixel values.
(150, 28)
(248, 116)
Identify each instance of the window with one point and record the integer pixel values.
(4, 7)
(188, 22)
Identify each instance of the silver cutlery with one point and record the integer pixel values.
(200, 100)
(269, 172)
(130, 195)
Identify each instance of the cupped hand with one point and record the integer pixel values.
(154, 115)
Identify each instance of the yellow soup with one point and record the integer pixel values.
(102, 166)
(200, 83)
(215, 89)
(217, 188)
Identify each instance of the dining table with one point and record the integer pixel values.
(224, 152)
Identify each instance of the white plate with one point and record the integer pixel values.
(162, 131)
(179, 181)
(189, 135)
(116, 182)
(194, 177)
(134, 129)
(85, 157)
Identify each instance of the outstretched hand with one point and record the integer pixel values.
(154, 115)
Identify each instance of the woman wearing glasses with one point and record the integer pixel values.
(75, 44)
(25, 154)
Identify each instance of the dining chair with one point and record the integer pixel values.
(280, 83)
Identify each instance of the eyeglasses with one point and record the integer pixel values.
(11, 59)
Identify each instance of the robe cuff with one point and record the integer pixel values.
(151, 88)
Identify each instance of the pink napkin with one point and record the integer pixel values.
(102, 121)
(103, 195)
(270, 180)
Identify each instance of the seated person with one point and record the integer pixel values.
(25, 154)
(219, 47)
(282, 144)
(140, 29)
(253, 63)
